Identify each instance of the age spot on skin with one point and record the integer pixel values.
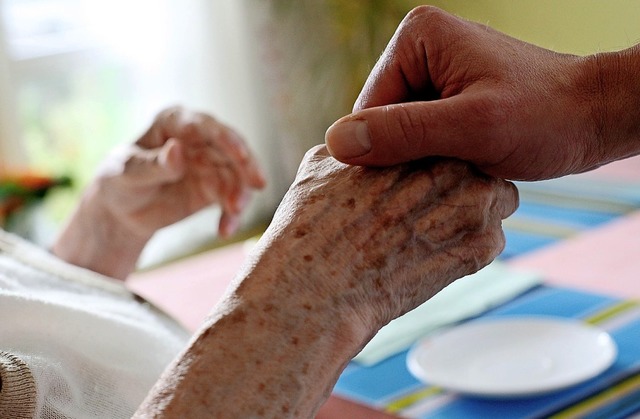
(349, 203)
(305, 368)
(239, 317)
(308, 258)
(380, 262)
(315, 198)
(268, 307)
(389, 221)
(300, 232)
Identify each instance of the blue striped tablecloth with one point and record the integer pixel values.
(389, 386)
(554, 210)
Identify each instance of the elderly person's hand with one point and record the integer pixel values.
(349, 249)
(386, 240)
(183, 163)
(449, 87)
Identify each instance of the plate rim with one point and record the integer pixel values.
(416, 370)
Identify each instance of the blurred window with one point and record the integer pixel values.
(77, 70)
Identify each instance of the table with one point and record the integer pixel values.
(601, 257)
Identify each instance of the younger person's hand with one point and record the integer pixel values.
(449, 87)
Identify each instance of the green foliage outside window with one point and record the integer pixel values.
(70, 120)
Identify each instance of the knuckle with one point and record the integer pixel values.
(485, 249)
(422, 20)
(316, 151)
(317, 148)
(208, 120)
(309, 161)
(171, 112)
(509, 199)
(418, 15)
(190, 128)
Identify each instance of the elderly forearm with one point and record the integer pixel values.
(274, 348)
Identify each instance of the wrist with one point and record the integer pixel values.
(95, 239)
(316, 294)
(615, 90)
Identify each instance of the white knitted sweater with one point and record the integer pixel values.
(74, 344)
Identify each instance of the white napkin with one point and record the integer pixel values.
(465, 298)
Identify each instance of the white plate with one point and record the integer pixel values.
(512, 356)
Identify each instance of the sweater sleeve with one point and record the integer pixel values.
(17, 388)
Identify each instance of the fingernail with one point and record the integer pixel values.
(170, 158)
(348, 139)
(258, 179)
(230, 227)
(241, 201)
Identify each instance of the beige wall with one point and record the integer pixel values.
(576, 26)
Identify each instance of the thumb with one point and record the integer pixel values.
(171, 160)
(387, 135)
(154, 166)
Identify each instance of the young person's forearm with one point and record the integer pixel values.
(615, 93)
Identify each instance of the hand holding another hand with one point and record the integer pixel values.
(450, 87)
(382, 241)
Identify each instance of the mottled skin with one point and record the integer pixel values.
(348, 250)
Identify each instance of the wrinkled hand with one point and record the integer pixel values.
(183, 163)
(382, 241)
(450, 87)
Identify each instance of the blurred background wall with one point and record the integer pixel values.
(78, 77)
(573, 26)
